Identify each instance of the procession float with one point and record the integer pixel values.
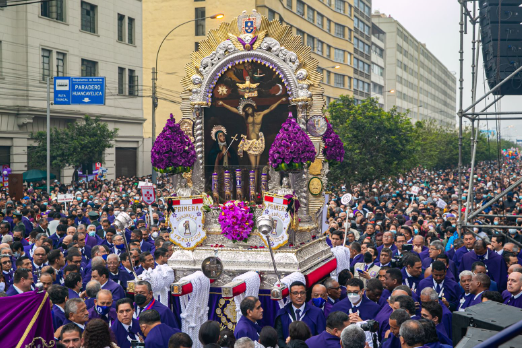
(249, 160)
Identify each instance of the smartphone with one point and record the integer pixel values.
(360, 271)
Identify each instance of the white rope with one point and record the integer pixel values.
(194, 306)
(253, 283)
(342, 254)
(160, 279)
(288, 280)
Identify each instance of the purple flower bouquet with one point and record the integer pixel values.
(333, 146)
(173, 152)
(236, 220)
(291, 147)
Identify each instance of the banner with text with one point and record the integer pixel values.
(275, 206)
(186, 222)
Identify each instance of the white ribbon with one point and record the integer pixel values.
(288, 280)
(194, 306)
(160, 279)
(253, 283)
(342, 255)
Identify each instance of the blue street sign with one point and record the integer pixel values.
(79, 90)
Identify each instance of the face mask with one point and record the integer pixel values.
(121, 246)
(2, 286)
(475, 229)
(393, 231)
(64, 246)
(156, 221)
(454, 225)
(16, 255)
(92, 233)
(140, 299)
(416, 231)
(102, 310)
(105, 257)
(78, 199)
(16, 239)
(512, 231)
(318, 302)
(495, 222)
(154, 235)
(350, 215)
(354, 298)
(431, 228)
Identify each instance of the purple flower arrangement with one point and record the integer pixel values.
(291, 147)
(173, 152)
(236, 220)
(333, 146)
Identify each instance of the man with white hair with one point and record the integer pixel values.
(352, 337)
(244, 342)
(465, 297)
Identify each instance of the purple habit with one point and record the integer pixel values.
(17, 317)
(510, 300)
(495, 266)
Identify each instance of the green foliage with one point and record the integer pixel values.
(380, 144)
(377, 143)
(78, 144)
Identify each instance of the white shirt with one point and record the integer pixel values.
(17, 289)
(477, 295)
(500, 252)
(300, 313)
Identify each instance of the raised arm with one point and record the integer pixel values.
(234, 110)
(272, 107)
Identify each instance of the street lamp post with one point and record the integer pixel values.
(155, 79)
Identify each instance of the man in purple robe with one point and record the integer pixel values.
(76, 312)
(126, 329)
(73, 281)
(320, 299)
(157, 334)
(469, 241)
(445, 288)
(144, 298)
(298, 310)
(102, 308)
(412, 272)
(247, 326)
(101, 274)
(22, 282)
(396, 319)
(356, 303)
(7, 271)
(480, 282)
(58, 295)
(330, 337)
(333, 289)
(495, 265)
(513, 295)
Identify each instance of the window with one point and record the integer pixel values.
(200, 24)
(89, 68)
(349, 86)
(300, 8)
(271, 15)
(289, 4)
(339, 30)
(310, 14)
(339, 80)
(46, 64)
(133, 83)
(377, 70)
(350, 34)
(349, 61)
(319, 47)
(378, 51)
(60, 64)
(130, 32)
(319, 19)
(121, 27)
(350, 10)
(339, 6)
(338, 55)
(300, 33)
(121, 81)
(328, 25)
(310, 41)
(88, 17)
(377, 89)
(328, 51)
(328, 77)
(53, 10)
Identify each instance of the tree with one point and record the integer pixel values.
(80, 143)
(377, 144)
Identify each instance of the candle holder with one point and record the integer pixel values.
(215, 189)
(239, 186)
(228, 191)
(252, 179)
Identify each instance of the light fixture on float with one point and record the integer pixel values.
(123, 221)
(265, 225)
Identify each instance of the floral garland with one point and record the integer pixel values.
(173, 152)
(333, 146)
(237, 220)
(291, 147)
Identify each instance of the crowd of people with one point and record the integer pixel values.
(410, 265)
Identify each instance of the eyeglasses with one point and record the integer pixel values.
(298, 293)
(6, 262)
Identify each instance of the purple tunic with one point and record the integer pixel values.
(510, 300)
(247, 328)
(383, 318)
(450, 290)
(166, 315)
(367, 308)
(110, 318)
(122, 335)
(323, 340)
(327, 307)
(159, 336)
(495, 266)
(312, 316)
(115, 289)
(459, 253)
(58, 317)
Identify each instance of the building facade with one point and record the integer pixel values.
(325, 25)
(378, 75)
(362, 49)
(72, 38)
(422, 84)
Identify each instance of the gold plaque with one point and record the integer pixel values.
(315, 186)
(316, 167)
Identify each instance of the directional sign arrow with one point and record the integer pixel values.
(86, 100)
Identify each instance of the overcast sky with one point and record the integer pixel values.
(436, 23)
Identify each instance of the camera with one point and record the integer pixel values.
(407, 247)
(137, 344)
(370, 325)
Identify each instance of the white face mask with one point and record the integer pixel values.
(354, 298)
(154, 235)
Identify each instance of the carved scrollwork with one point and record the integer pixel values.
(221, 51)
(272, 45)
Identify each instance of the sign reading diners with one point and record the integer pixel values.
(275, 206)
(186, 222)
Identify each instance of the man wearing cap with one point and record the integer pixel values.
(17, 222)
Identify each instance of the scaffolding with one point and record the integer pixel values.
(470, 17)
